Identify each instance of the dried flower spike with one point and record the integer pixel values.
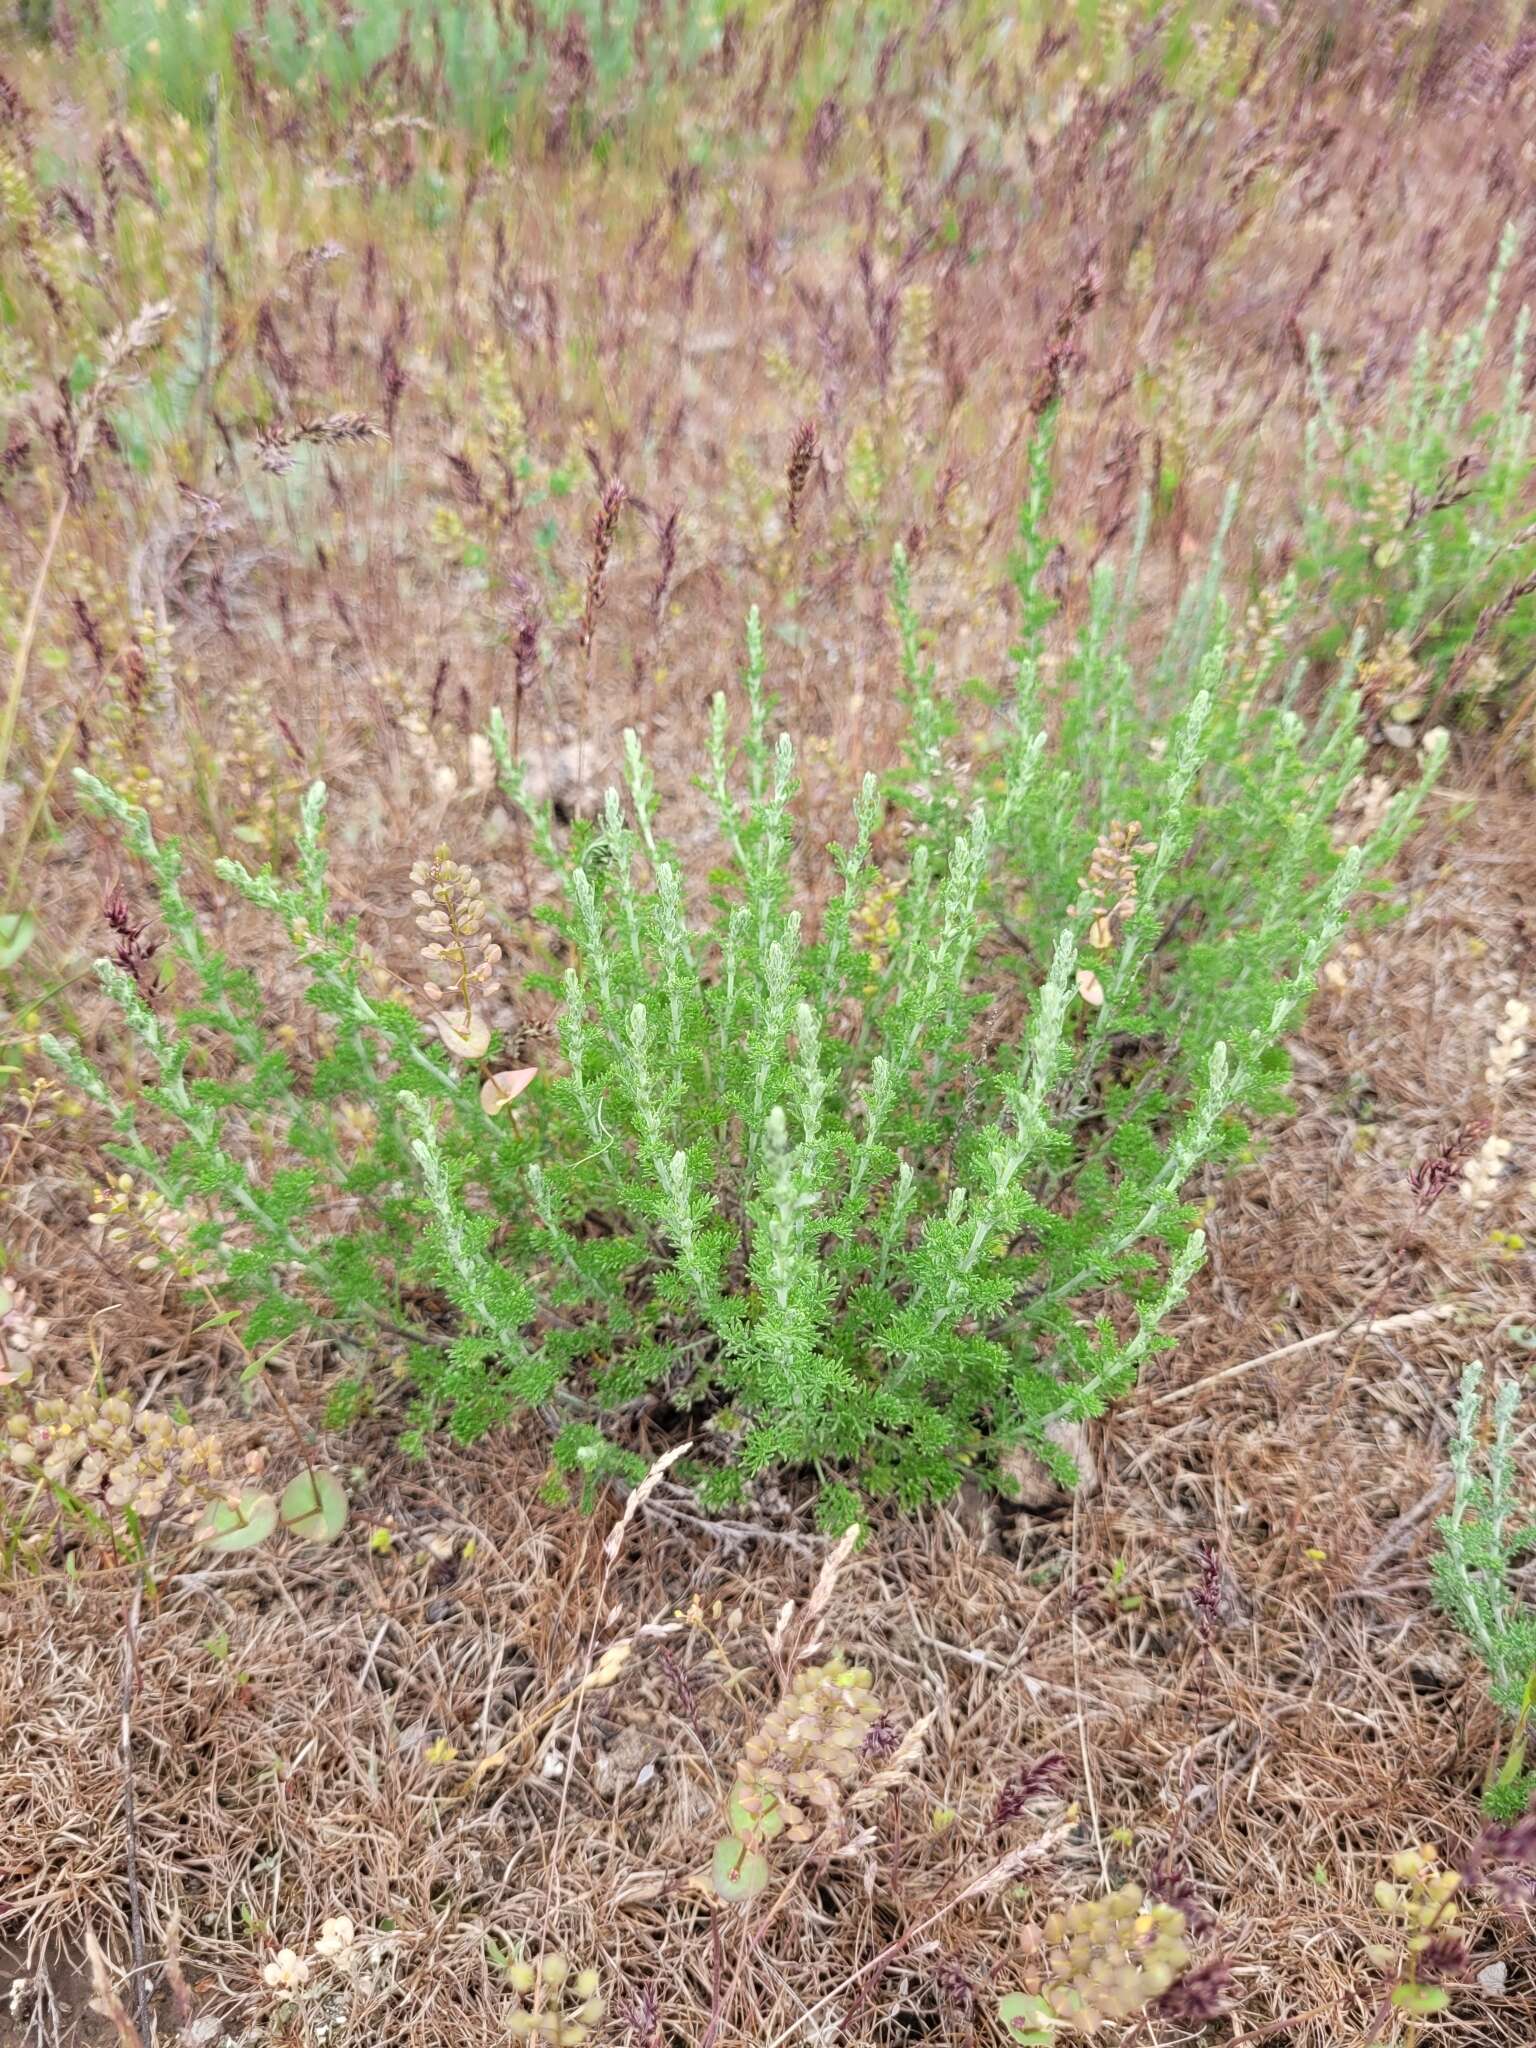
(1431, 1177)
(605, 524)
(1201, 1995)
(132, 952)
(275, 445)
(804, 450)
(1041, 1779)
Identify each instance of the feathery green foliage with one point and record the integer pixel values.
(1422, 528)
(883, 1199)
(1483, 1538)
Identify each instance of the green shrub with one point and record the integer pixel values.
(498, 72)
(1483, 1538)
(882, 1192)
(509, 76)
(1421, 529)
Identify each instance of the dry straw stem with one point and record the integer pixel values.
(1409, 1319)
(122, 351)
(611, 1663)
(639, 1495)
(1004, 1872)
(806, 1636)
(605, 1671)
(130, 1815)
(107, 2000)
(22, 656)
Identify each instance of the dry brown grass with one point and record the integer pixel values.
(671, 330)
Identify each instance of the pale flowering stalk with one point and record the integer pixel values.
(1483, 1171)
(1509, 1044)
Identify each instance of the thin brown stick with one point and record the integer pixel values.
(1077, 1691)
(23, 653)
(204, 393)
(130, 1814)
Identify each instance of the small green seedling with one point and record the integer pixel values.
(1027, 2020)
(314, 1507)
(738, 1871)
(242, 1524)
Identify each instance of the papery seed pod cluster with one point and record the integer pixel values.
(557, 2004)
(257, 774)
(413, 729)
(1111, 881)
(1108, 1959)
(1422, 1893)
(1481, 1174)
(1509, 1043)
(502, 420)
(1262, 641)
(95, 1444)
(877, 926)
(453, 914)
(803, 1759)
(126, 1213)
(1363, 810)
(1391, 681)
(1387, 514)
(22, 1329)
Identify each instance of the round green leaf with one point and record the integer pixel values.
(314, 1507)
(1027, 2020)
(760, 1827)
(243, 1526)
(1421, 1998)
(738, 1872)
